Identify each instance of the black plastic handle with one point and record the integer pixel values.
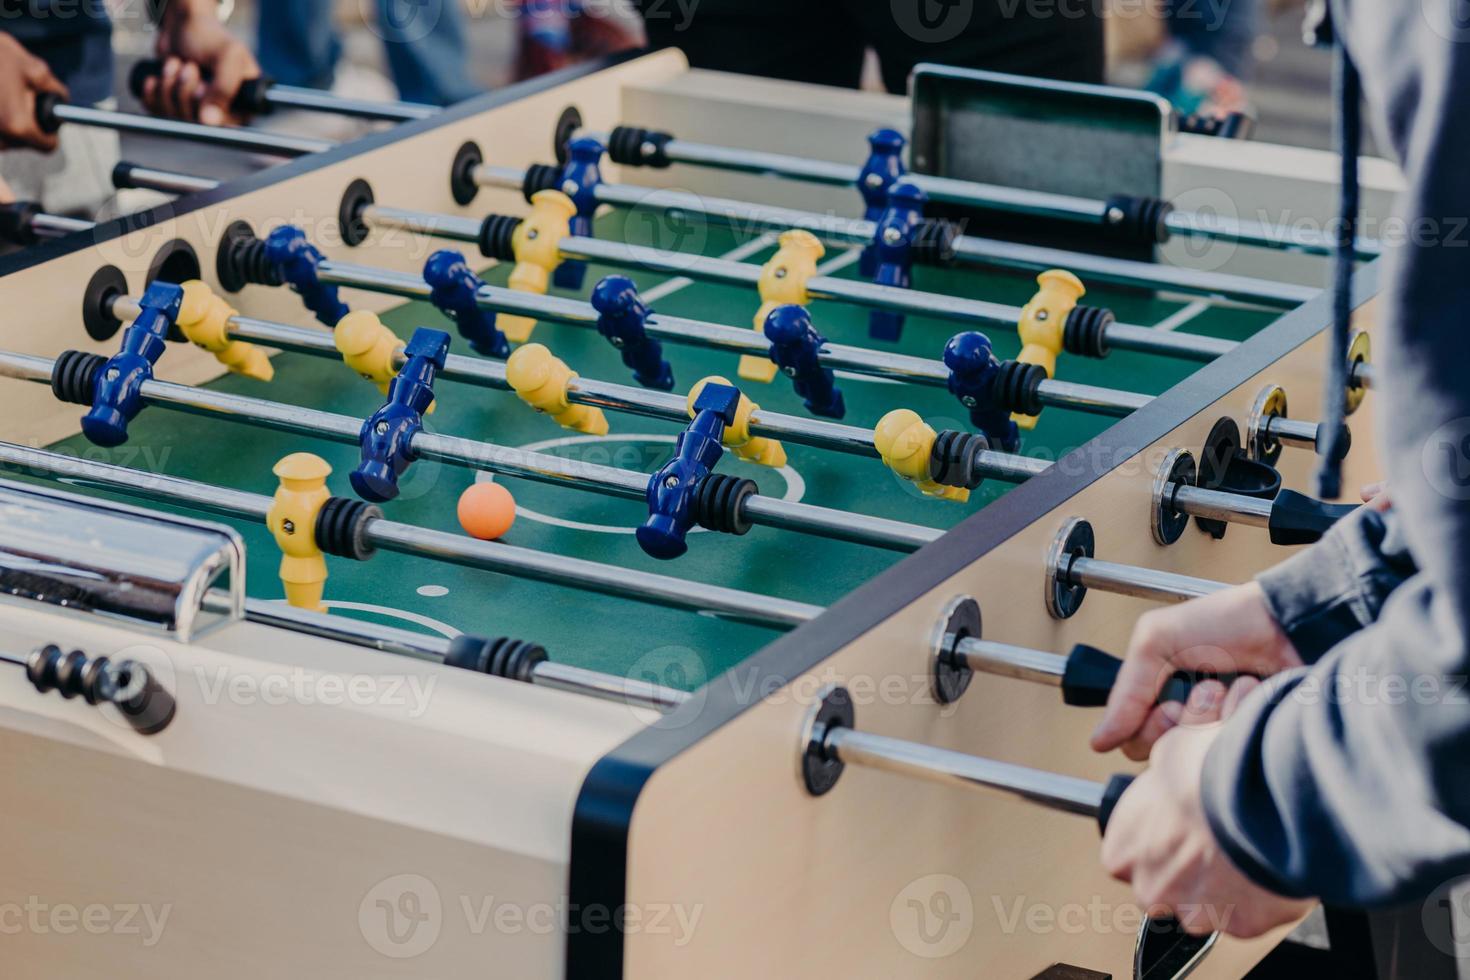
(1091, 673)
(1299, 519)
(253, 99)
(1112, 793)
(1164, 939)
(46, 103)
(146, 704)
(15, 222)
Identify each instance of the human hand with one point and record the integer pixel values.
(1230, 632)
(1375, 496)
(1159, 839)
(204, 66)
(23, 76)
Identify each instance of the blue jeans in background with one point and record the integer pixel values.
(424, 40)
(1221, 29)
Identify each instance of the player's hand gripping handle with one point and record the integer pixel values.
(1091, 673)
(252, 99)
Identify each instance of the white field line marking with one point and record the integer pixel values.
(670, 286)
(436, 625)
(1180, 317)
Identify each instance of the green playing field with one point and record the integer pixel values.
(601, 632)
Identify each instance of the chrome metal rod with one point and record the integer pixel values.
(995, 197)
(1086, 398)
(57, 226)
(1292, 432)
(1134, 580)
(680, 330)
(971, 312)
(1004, 660)
(1216, 505)
(131, 175)
(1128, 272)
(455, 549)
(612, 397)
(316, 100)
(446, 226)
(1287, 238)
(358, 633)
(261, 96)
(1052, 790)
(253, 140)
(421, 646)
(1362, 375)
(386, 639)
(612, 580)
(506, 460)
(608, 687)
(857, 231)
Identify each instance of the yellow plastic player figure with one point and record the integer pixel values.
(783, 281)
(292, 520)
(368, 347)
(204, 319)
(541, 379)
(537, 243)
(906, 443)
(1043, 322)
(752, 449)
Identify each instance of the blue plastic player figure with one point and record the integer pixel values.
(289, 251)
(118, 394)
(893, 252)
(796, 348)
(695, 454)
(883, 168)
(579, 180)
(387, 436)
(973, 370)
(454, 289)
(622, 318)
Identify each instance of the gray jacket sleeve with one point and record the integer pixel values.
(1350, 779)
(1323, 594)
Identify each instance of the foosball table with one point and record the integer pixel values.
(714, 497)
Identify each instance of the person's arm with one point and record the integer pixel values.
(1290, 615)
(1339, 585)
(23, 76)
(204, 65)
(1352, 782)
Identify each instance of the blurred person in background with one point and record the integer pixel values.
(424, 42)
(556, 33)
(65, 47)
(826, 41)
(1206, 57)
